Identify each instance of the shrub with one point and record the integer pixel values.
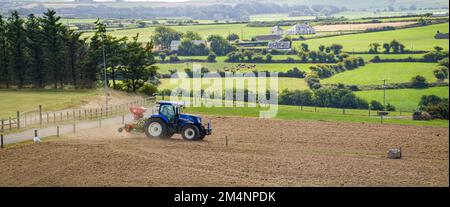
(269, 57)
(421, 115)
(174, 58)
(419, 82)
(376, 59)
(211, 57)
(376, 106)
(148, 89)
(390, 107)
(438, 111)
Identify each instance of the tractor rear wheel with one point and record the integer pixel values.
(190, 132)
(156, 128)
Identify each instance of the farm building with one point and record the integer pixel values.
(277, 30)
(176, 43)
(300, 29)
(268, 37)
(279, 45)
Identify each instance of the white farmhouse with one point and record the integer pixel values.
(300, 29)
(277, 30)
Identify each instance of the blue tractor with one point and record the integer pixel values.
(170, 121)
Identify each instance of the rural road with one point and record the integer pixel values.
(63, 129)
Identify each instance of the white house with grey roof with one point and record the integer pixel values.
(301, 29)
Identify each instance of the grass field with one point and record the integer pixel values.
(418, 38)
(273, 67)
(203, 30)
(404, 99)
(374, 73)
(24, 100)
(322, 114)
(283, 83)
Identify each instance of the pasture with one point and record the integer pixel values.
(418, 38)
(404, 99)
(29, 99)
(272, 67)
(374, 73)
(283, 83)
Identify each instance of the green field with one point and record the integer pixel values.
(203, 30)
(404, 99)
(294, 113)
(418, 38)
(283, 83)
(28, 99)
(365, 14)
(374, 73)
(272, 67)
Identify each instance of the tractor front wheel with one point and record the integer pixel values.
(190, 132)
(156, 128)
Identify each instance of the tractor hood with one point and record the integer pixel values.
(191, 118)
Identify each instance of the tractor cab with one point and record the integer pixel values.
(169, 120)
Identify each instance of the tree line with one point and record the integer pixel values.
(40, 52)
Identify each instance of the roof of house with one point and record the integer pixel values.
(268, 37)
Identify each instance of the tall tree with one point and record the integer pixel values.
(138, 64)
(164, 36)
(16, 39)
(75, 48)
(4, 55)
(53, 46)
(34, 45)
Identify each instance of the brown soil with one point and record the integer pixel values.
(260, 153)
(358, 27)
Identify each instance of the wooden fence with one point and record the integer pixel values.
(40, 117)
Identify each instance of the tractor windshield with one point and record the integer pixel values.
(168, 111)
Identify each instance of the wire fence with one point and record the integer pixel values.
(42, 118)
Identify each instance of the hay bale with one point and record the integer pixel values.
(395, 153)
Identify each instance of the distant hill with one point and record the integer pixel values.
(234, 10)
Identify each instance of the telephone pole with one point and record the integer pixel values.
(384, 93)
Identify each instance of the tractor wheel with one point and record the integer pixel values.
(190, 132)
(156, 128)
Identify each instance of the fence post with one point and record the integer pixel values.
(301, 107)
(61, 117)
(18, 119)
(40, 114)
(96, 113)
(1, 137)
(315, 108)
(10, 123)
(369, 112)
(343, 111)
(3, 128)
(57, 131)
(47, 119)
(74, 127)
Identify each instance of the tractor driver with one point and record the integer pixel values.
(168, 111)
